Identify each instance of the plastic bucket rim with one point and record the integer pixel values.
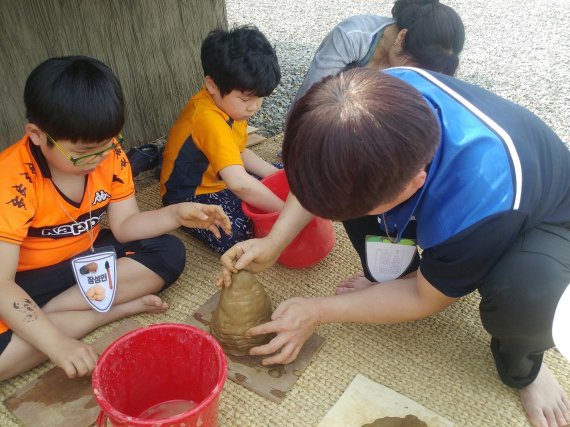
(113, 413)
(245, 207)
(327, 249)
(271, 217)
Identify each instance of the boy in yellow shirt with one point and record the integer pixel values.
(205, 159)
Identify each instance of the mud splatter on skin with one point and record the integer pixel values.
(28, 308)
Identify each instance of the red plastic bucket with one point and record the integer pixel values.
(310, 246)
(167, 374)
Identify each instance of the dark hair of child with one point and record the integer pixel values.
(241, 59)
(355, 141)
(75, 98)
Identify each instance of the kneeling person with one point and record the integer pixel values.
(481, 184)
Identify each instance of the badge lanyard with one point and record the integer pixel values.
(96, 272)
(388, 257)
(385, 224)
(89, 230)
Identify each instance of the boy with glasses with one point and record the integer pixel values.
(56, 184)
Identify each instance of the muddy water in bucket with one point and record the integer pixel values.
(310, 246)
(160, 375)
(168, 409)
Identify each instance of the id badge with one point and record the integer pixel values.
(96, 275)
(387, 260)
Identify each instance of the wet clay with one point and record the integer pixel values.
(243, 305)
(408, 421)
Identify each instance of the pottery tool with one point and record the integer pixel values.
(108, 268)
(365, 401)
(271, 382)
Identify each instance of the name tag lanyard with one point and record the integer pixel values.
(382, 220)
(96, 272)
(388, 257)
(89, 230)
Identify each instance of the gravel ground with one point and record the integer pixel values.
(519, 49)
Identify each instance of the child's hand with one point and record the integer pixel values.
(210, 217)
(76, 358)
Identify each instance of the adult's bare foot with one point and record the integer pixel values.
(354, 283)
(545, 402)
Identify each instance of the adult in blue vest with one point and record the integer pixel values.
(480, 184)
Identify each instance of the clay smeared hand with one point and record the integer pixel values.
(294, 321)
(253, 255)
(209, 217)
(77, 359)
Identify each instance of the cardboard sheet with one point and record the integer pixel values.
(271, 382)
(365, 401)
(53, 399)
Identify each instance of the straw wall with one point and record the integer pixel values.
(152, 45)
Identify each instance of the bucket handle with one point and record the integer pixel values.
(101, 419)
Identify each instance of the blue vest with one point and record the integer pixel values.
(494, 157)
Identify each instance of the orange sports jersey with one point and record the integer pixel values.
(202, 141)
(36, 216)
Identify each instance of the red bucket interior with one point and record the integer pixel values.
(157, 364)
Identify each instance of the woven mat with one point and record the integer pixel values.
(443, 362)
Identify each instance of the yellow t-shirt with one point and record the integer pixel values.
(202, 141)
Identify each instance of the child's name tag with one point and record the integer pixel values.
(96, 275)
(387, 260)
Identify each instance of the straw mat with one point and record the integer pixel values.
(443, 362)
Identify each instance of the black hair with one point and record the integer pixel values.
(241, 59)
(355, 140)
(75, 98)
(435, 33)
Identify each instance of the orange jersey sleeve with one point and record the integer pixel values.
(18, 192)
(48, 226)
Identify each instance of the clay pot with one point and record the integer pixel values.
(243, 305)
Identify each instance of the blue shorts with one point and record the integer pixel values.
(242, 227)
(5, 339)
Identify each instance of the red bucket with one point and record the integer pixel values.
(167, 374)
(310, 246)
